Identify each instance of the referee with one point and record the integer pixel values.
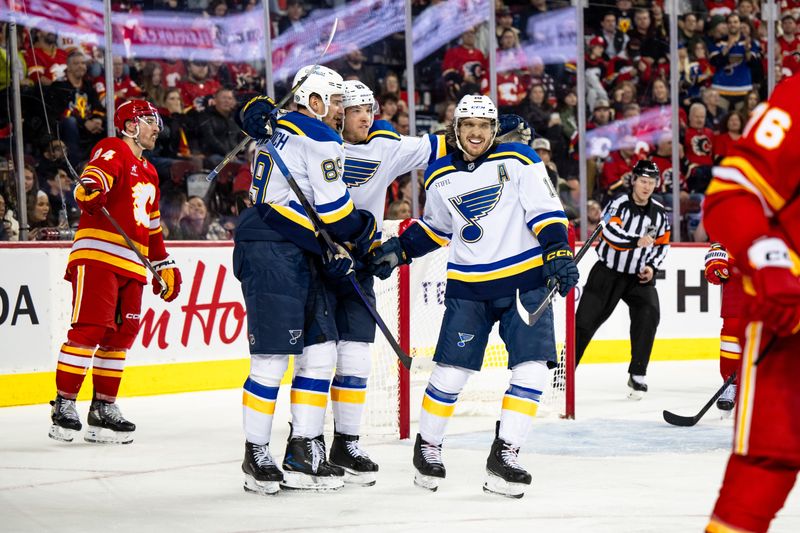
(633, 246)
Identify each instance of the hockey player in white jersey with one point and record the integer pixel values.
(277, 258)
(497, 209)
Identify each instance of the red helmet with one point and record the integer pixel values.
(132, 110)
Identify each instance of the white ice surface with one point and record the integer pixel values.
(617, 468)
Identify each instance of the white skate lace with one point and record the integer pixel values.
(729, 393)
(68, 409)
(262, 456)
(431, 453)
(509, 455)
(317, 454)
(111, 411)
(355, 450)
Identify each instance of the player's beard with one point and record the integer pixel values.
(475, 150)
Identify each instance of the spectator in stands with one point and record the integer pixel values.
(197, 86)
(53, 152)
(295, 13)
(446, 111)
(662, 157)
(601, 114)
(218, 8)
(750, 102)
(596, 67)
(594, 213)
(401, 123)
(38, 207)
(731, 57)
(659, 96)
(173, 207)
(614, 39)
(59, 186)
(617, 168)
(388, 106)
(399, 210)
(460, 60)
(624, 94)
(504, 20)
(124, 87)
(624, 13)
(75, 105)
(789, 42)
(9, 227)
(731, 127)
(537, 111)
(353, 67)
(153, 85)
(219, 133)
(540, 77)
(699, 148)
(711, 101)
(720, 7)
(46, 62)
(31, 179)
(196, 221)
(569, 114)
(687, 30)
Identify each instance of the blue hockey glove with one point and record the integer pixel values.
(559, 269)
(257, 118)
(363, 241)
(386, 258)
(514, 129)
(338, 264)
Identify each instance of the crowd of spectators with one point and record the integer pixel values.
(721, 64)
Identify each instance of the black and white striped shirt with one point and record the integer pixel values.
(629, 222)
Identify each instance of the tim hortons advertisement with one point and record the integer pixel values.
(199, 341)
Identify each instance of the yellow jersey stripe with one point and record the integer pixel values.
(105, 372)
(348, 395)
(775, 200)
(110, 355)
(438, 172)
(74, 350)
(291, 126)
(747, 387)
(266, 407)
(513, 270)
(109, 236)
(71, 369)
(294, 216)
(435, 237)
(436, 408)
(309, 398)
(339, 214)
(730, 355)
(515, 155)
(383, 132)
(103, 257)
(76, 309)
(518, 405)
(544, 223)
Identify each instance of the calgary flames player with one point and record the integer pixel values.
(752, 208)
(720, 268)
(107, 276)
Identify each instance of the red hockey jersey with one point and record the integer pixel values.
(131, 185)
(765, 163)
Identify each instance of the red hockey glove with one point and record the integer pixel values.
(777, 285)
(172, 277)
(90, 200)
(717, 264)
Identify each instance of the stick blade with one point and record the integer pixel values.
(678, 420)
(522, 312)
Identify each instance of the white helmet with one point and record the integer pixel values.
(322, 81)
(356, 93)
(475, 106)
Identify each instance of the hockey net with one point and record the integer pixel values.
(411, 302)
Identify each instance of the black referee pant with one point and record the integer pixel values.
(603, 290)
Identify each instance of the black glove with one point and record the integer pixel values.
(338, 264)
(513, 129)
(386, 258)
(363, 241)
(559, 269)
(257, 118)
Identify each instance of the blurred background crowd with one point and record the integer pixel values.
(721, 61)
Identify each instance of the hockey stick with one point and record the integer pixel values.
(531, 318)
(331, 246)
(688, 421)
(239, 147)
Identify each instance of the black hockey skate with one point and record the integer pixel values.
(504, 475)
(359, 469)
(727, 401)
(636, 390)
(66, 422)
(428, 462)
(261, 474)
(106, 425)
(306, 468)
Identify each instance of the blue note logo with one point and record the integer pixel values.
(357, 172)
(475, 205)
(464, 338)
(294, 334)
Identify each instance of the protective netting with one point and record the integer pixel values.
(484, 391)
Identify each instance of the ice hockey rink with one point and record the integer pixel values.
(617, 468)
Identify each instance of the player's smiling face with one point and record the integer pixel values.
(335, 116)
(357, 121)
(475, 136)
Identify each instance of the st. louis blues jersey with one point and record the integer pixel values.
(313, 154)
(370, 166)
(497, 213)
